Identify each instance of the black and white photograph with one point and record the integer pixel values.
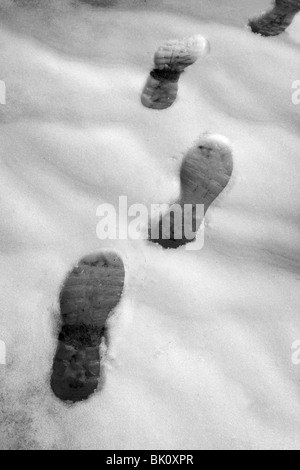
(150, 227)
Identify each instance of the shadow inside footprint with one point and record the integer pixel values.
(205, 172)
(91, 291)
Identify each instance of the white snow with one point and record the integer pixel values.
(200, 353)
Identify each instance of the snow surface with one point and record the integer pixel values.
(200, 353)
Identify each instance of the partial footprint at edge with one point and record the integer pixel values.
(205, 172)
(170, 61)
(276, 20)
(90, 293)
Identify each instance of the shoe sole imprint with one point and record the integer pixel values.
(170, 61)
(276, 21)
(205, 172)
(92, 290)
